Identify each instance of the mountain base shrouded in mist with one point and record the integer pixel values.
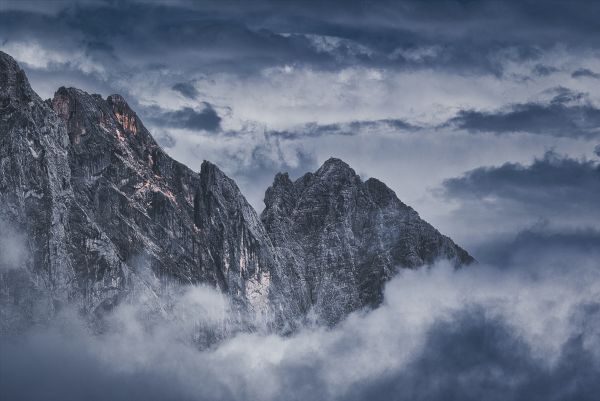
(100, 208)
(126, 275)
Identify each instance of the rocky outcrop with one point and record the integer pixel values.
(38, 206)
(98, 205)
(99, 201)
(341, 238)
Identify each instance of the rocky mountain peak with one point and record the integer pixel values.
(102, 206)
(347, 237)
(14, 85)
(335, 169)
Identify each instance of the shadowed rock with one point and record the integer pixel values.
(106, 214)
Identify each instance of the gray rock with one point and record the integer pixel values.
(342, 239)
(100, 208)
(99, 201)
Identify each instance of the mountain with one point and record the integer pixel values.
(342, 238)
(98, 201)
(90, 205)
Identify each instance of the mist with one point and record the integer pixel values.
(512, 331)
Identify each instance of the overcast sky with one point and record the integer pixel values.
(483, 116)
(449, 103)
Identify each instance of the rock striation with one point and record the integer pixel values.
(342, 238)
(97, 201)
(97, 204)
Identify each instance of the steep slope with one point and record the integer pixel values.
(341, 239)
(38, 210)
(98, 202)
(94, 212)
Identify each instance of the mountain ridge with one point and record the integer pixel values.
(111, 202)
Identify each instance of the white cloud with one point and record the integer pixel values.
(36, 56)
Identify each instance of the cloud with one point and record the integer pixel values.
(539, 241)
(484, 332)
(187, 89)
(585, 73)
(244, 39)
(566, 115)
(559, 192)
(542, 70)
(314, 130)
(13, 247)
(551, 183)
(206, 119)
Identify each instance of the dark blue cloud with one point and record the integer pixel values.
(474, 356)
(542, 70)
(549, 185)
(206, 119)
(470, 37)
(314, 130)
(566, 115)
(186, 89)
(585, 73)
(555, 246)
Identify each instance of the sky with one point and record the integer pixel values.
(483, 116)
(419, 94)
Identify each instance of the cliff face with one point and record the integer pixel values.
(97, 200)
(193, 227)
(342, 239)
(98, 204)
(63, 256)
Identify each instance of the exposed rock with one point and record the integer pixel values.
(99, 200)
(100, 207)
(342, 239)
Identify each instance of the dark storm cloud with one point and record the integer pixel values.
(441, 334)
(206, 119)
(80, 376)
(542, 70)
(473, 356)
(186, 89)
(566, 115)
(314, 130)
(539, 241)
(584, 72)
(243, 37)
(549, 185)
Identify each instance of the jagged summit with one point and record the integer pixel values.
(14, 85)
(347, 238)
(101, 205)
(335, 163)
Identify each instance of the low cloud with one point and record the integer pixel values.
(494, 332)
(13, 247)
(206, 119)
(585, 73)
(551, 185)
(567, 114)
(314, 130)
(542, 70)
(187, 89)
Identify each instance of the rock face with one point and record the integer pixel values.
(96, 204)
(97, 200)
(341, 239)
(156, 211)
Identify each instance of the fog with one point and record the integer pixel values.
(512, 331)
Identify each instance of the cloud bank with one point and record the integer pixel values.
(510, 332)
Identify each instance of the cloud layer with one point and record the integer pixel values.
(515, 333)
